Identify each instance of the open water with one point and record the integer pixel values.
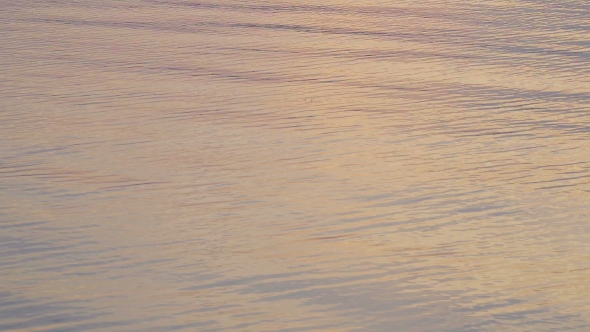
(290, 165)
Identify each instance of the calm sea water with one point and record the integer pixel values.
(289, 165)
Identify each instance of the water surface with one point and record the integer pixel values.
(222, 165)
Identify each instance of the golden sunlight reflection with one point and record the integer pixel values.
(226, 165)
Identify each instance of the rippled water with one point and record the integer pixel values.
(379, 165)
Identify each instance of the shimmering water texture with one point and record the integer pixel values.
(290, 165)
